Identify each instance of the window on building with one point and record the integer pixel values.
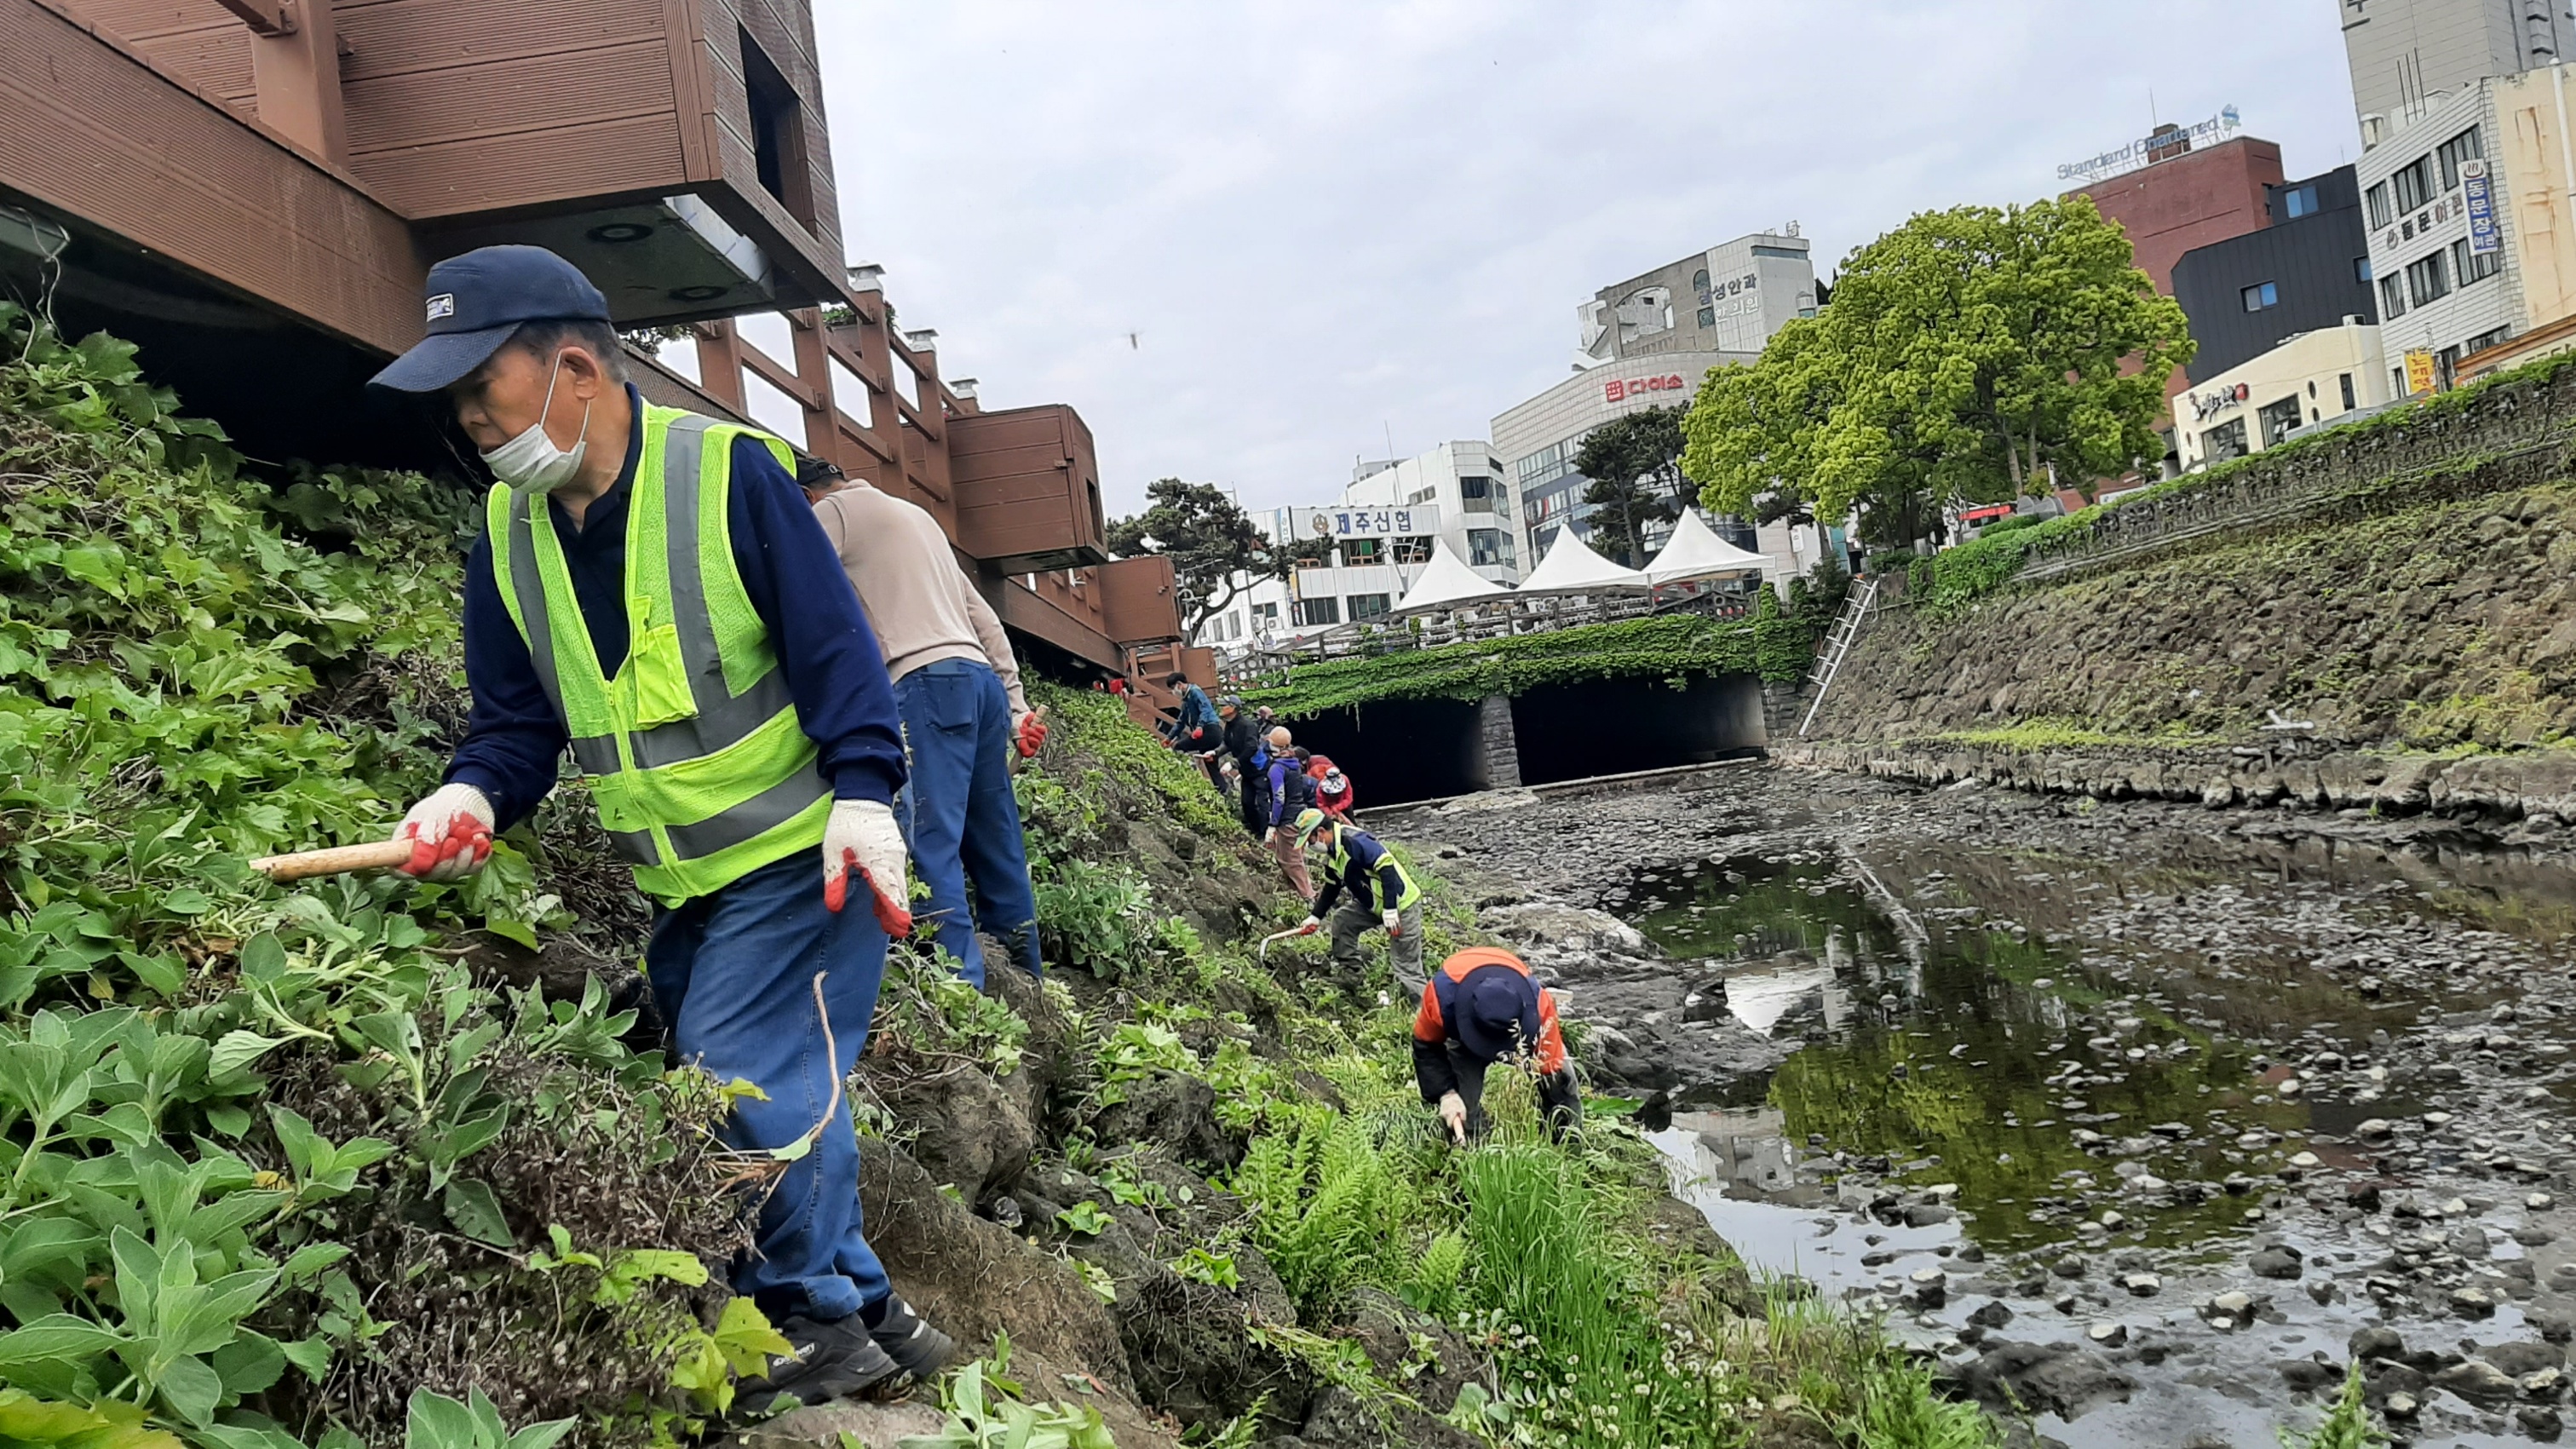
(1412, 550)
(2485, 340)
(1265, 616)
(1312, 612)
(2277, 418)
(1370, 606)
(2223, 442)
(1422, 495)
(2349, 401)
(1699, 281)
(1311, 553)
(2473, 266)
(2429, 279)
(2462, 147)
(1476, 493)
(2446, 367)
(2397, 382)
(1708, 316)
(2361, 269)
(2262, 295)
(2414, 185)
(1363, 550)
(777, 133)
(1488, 546)
(2392, 298)
(2381, 213)
(2298, 201)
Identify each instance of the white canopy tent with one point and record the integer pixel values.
(1571, 567)
(1696, 552)
(1447, 583)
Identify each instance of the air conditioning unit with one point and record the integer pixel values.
(2355, 319)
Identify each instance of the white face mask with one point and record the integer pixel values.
(531, 463)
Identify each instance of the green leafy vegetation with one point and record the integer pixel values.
(273, 1159)
(1968, 356)
(2347, 1423)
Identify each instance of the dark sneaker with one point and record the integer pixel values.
(833, 1360)
(917, 1348)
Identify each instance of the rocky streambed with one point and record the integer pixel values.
(2146, 1119)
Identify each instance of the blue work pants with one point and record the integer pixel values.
(733, 974)
(960, 819)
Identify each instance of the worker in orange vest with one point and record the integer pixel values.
(1482, 1007)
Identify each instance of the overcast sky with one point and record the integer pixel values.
(1251, 242)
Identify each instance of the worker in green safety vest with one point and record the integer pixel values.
(1365, 888)
(652, 592)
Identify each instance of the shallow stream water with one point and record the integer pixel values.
(2023, 1078)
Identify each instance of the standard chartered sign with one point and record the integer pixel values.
(2137, 153)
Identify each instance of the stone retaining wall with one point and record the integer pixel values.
(2538, 785)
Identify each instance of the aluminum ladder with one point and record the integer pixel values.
(1838, 643)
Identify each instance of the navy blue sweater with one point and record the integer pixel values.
(513, 741)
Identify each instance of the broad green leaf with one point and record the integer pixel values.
(192, 1389)
(60, 1338)
(435, 1421)
(26, 1420)
(310, 1355)
(250, 1363)
(471, 1206)
(236, 1050)
(744, 1335)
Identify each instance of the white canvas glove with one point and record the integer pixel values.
(450, 831)
(1453, 1112)
(1393, 921)
(862, 835)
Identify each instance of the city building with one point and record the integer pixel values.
(2310, 268)
(2406, 55)
(1538, 439)
(2472, 238)
(2189, 187)
(1730, 298)
(253, 191)
(2309, 380)
(1356, 555)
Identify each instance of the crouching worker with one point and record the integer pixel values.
(1365, 888)
(1484, 1007)
(652, 591)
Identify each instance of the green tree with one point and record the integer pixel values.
(1970, 355)
(1215, 549)
(1634, 462)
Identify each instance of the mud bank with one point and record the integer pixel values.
(2152, 1118)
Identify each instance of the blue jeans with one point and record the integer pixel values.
(733, 973)
(959, 818)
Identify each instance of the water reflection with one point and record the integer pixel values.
(1965, 1053)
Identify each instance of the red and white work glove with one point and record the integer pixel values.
(862, 836)
(1309, 926)
(1030, 733)
(1393, 921)
(450, 832)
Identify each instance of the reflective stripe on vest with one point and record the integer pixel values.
(1340, 866)
(700, 767)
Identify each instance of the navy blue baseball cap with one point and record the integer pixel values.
(478, 301)
(1497, 1013)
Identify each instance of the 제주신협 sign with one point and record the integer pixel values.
(1364, 522)
(2477, 194)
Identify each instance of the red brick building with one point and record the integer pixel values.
(2189, 199)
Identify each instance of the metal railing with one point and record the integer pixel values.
(1500, 619)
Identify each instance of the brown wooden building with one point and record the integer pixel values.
(254, 190)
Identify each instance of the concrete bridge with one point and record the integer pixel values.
(1418, 749)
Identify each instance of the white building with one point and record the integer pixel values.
(1358, 553)
(2472, 236)
(1539, 438)
(2309, 380)
(2406, 54)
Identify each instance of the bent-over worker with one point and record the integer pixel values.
(1197, 728)
(720, 690)
(958, 687)
(1485, 1007)
(1365, 888)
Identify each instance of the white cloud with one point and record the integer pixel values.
(1329, 221)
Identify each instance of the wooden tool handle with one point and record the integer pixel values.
(382, 855)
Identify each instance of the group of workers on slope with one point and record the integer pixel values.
(1483, 1006)
(750, 667)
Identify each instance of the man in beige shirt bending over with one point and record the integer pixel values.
(958, 688)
